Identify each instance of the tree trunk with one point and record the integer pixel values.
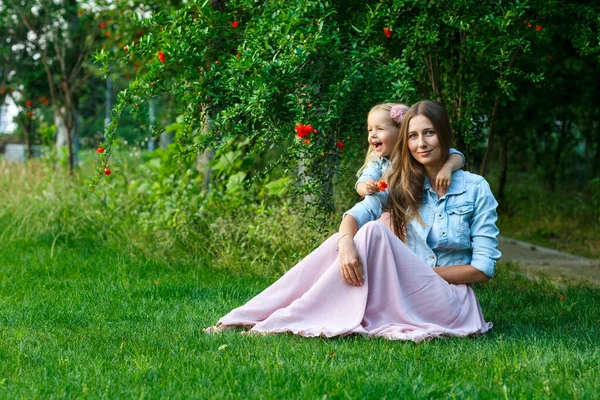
(27, 128)
(204, 158)
(490, 144)
(595, 150)
(503, 168)
(555, 168)
(108, 104)
(67, 126)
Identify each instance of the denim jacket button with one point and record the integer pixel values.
(444, 234)
(440, 216)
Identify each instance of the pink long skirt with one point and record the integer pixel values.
(401, 298)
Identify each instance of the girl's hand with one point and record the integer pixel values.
(350, 264)
(371, 186)
(443, 180)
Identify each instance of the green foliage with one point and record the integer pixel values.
(326, 63)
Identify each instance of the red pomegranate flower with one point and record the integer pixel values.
(340, 145)
(538, 28)
(303, 131)
(28, 103)
(306, 141)
(107, 171)
(235, 24)
(102, 24)
(100, 150)
(387, 32)
(382, 185)
(161, 56)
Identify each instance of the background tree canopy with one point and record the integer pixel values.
(232, 80)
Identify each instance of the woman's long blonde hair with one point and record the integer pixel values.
(386, 107)
(407, 176)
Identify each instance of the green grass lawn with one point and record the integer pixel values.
(95, 321)
(91, 306)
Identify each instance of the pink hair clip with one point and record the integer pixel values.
(397, 113)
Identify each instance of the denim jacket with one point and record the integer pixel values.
(377, 167)
(464, 219)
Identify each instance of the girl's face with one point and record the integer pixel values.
(383, 134)
(423, 141)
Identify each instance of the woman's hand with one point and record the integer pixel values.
(350, 264)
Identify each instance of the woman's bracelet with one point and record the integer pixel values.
(337, 246)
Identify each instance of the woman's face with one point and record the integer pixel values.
(423, 141)
(383, 134)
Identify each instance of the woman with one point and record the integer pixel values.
(388, 288)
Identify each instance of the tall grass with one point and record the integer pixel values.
(41, 202)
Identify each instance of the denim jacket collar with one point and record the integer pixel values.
(457, 186)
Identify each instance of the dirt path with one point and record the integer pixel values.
(538, 260)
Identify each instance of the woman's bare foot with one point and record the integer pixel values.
(216, 329)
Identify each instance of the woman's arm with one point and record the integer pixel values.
(350, 263)
(369, 209)
(484, 240)
(457, 274)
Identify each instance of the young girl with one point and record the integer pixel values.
(383, 126)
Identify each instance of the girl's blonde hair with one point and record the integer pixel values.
(385, 107)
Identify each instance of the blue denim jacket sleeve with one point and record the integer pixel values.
(369, 209)
(484, 232)
(373, 170)
(454, 151)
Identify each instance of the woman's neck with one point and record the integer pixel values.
(432, 172)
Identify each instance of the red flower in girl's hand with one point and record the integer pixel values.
(387, 32)
(161, 56)
(382, 185)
